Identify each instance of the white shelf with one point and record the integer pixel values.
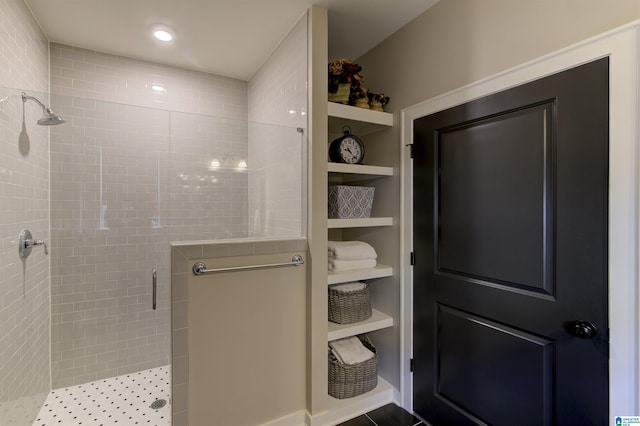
(360, 169)
(340, 410)
(378, 320)
(379, 271)
(361, 121)
(365, 115)
(360, 222)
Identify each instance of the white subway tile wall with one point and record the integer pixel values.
(127, 177)
(24, 203)
(277, 153)
(82, 73)
(208, 189)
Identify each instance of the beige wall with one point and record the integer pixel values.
(239, 337)
(24, 203)
(247, 343)
(457, 42)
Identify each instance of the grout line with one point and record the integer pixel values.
(421, 421)
(370, 419)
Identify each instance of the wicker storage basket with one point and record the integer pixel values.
(347, 202)
(347, 381)
(349, 307)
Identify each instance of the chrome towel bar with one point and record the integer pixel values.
(200, 268)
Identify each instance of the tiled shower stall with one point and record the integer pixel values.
(132, 169)
(126, 179)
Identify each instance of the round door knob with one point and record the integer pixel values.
(583, 329)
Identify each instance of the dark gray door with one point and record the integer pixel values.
(510, 239)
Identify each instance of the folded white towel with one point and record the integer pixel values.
(351, 250)
(350, 351)
(348, 287)
(348, 265)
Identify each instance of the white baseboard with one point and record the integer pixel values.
(342, 410)
(298, 418)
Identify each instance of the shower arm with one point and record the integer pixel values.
(48, 116)
(25, 97)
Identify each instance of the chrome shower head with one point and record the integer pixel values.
(48, 116)
(50, 119)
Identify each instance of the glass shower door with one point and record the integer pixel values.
(109, 171)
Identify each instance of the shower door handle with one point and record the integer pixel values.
(154, 289)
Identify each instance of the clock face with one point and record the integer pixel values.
(351, 151)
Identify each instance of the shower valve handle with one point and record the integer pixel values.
(33, 243)
(26, 243)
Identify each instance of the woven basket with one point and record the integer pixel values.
(349, 307)
(347, 381)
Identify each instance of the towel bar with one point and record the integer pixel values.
(200, 268)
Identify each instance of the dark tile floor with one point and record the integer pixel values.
(389, 415)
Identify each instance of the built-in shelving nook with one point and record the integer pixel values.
(380, 230)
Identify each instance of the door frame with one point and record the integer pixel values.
(621, 45)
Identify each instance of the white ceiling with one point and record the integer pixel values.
(232, 38)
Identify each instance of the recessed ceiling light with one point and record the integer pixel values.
(157, 88)
(162, 35)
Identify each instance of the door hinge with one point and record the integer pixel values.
(411, 365)
(412, 258)
(411, 152)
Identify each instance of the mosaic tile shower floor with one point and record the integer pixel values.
(124, 400)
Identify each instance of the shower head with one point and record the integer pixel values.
(48, 116)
